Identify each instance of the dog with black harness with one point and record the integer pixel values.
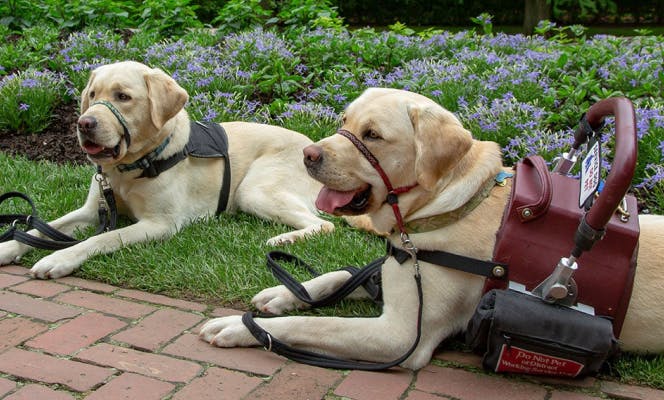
(463, 226)
(165, 171)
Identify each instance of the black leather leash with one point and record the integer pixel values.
(362, 276)
(55, 240)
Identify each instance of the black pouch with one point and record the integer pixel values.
(519, 333)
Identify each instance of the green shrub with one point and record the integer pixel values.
(27, 100)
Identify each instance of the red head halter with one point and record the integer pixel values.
(392, 193)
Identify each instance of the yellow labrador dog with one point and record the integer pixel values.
(129, 113)
(419, 143)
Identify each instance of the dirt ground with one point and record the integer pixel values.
(57, 143)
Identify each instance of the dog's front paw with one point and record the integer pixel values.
(227, 332)
(11, 252)
(276, 300)
(55, 266)
(283, 239)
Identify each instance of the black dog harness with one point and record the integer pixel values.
(205, 141)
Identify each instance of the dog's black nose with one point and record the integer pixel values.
(86, 124)
(313, 155)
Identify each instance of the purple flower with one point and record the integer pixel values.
(210, 116)
(29, 83)
(23, 107)
(339, 98)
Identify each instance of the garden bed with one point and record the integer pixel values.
(57, 143)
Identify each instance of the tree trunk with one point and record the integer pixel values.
(535, 11)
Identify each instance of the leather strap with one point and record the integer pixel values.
(529, 212)
(488, 269)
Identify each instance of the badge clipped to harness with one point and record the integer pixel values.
(571, 247)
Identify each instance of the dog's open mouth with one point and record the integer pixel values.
(349, 202)
(95, 150)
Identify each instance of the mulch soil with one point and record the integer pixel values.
(57, 143)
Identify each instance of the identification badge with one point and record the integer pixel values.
(590, 172)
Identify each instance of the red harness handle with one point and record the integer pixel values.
(624, 161)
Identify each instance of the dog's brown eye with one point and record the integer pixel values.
(92, 94)
(372, 135)
(123, 97)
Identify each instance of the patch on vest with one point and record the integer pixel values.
(207, 141)
(516, 359)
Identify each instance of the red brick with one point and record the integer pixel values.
(461, 358)
(132, 386)
(587, 382)
(417, 395)
(157, 329)
(76, 334)
(35, 308)
(361, 385)
(467, 385)
(40, 288)
(225, 312)
(631, 392)
(15, 270)
(298, 381)
(254, 360)
(7, 280)
(105, 304)
(43, 368)
(157, 366)
(163, 300)
(32, 392)
(560, 395)
(6, 386)
(219, 383)
(14, 331)
(86, 284)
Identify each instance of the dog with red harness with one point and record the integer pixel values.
(409, 167)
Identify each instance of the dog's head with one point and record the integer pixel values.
(126, 98)
(415, 140)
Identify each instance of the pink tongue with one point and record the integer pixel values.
(92, 148)
(328, 200)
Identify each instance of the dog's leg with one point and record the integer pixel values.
(11, 251)
(278, 299)
(286, 199)
(377, 339)
(64, 262)
(291, 211)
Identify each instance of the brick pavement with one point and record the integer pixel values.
(74, 339)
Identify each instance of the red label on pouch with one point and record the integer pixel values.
(516, 359)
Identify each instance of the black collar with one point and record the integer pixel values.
(150, 165)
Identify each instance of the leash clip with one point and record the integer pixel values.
(100, 177)
(410, 248)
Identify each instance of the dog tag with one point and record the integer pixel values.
(590, 172)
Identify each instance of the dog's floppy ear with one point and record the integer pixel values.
(166, 97)
(440, 142)
(85, 94)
